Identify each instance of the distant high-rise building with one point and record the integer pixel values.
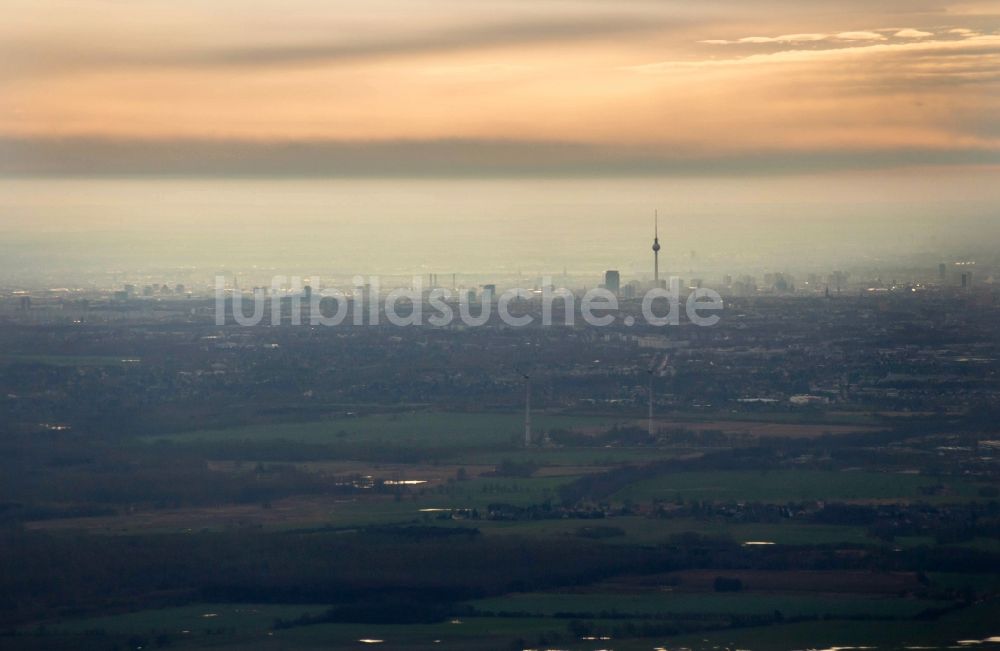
(966, 280)
(781, 283)
(837, 280)
(489, 293)
(942, 271)
(25, 303)
(612, 281)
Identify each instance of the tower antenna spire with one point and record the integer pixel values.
(656, 247)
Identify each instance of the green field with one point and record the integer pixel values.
(596, 456)
(666, 603)
(959, 581)
(240, 626)
(248, 626)
(472, 632)
(477, 493)
(974, 623)
(409, 430)
(195, 618)
(793, 485)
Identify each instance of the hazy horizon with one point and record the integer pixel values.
(498, 226)
(497, 137)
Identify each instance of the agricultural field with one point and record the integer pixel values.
(192, 619)
(650, 531)
(425, 429)
(778, 486)
(642, 557)
(530, 618)
(464, 430)
(664, 604)
(974, 627)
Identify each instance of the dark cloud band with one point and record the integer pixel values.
(432, 158)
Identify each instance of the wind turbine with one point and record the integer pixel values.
(653, 371)
(527, 406)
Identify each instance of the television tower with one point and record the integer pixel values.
(656, 249)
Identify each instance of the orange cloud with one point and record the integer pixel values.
(627, 75)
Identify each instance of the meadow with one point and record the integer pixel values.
(422, 429)
(665, 604)
(795, 485)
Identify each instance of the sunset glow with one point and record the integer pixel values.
(910, 82)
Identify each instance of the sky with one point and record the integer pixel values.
(532, 87)
(502, 136)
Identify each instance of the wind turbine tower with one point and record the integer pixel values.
(527, 410)
(650, 425)
(655, 370)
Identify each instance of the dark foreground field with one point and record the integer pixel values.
(435, 530)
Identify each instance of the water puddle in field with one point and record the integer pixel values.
(995, 639)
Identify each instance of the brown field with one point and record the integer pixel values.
(430, 473)
(287, 512)
(743, 427)
(762, 429)
(433, 474)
